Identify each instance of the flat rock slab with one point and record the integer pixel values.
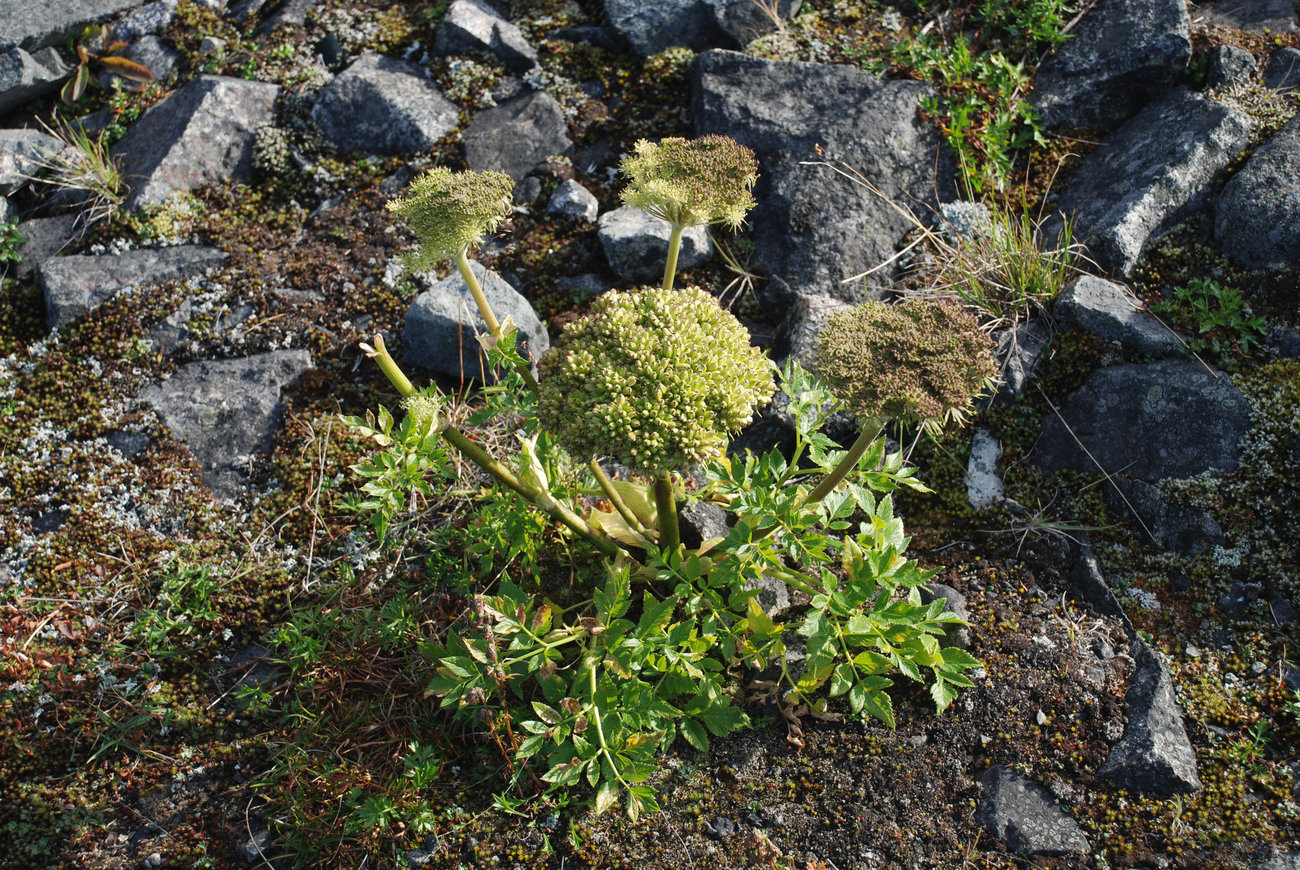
(382, 105)
(1150, 174)
(470, 27)
(652, 27)
(636, 244)
(516, 135)
(813, 227)
(1023, 814)
(21, 154)
(1168, 419)
(443, 324)
(1110, 312)
(201, 134)
(74, 285)
(1154, 757)
(33, 24)
(1257, 217)
(25, 77)
(1253, 16)
(1120, 56)
(227, 409)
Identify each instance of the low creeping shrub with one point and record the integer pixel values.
(659, 379)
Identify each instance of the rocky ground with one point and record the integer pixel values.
(210, 661)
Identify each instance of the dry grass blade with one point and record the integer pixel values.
(85, 168)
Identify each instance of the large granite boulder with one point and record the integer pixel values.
(25, 77)
(814, 227)
(472, 27)
(382, 105)
(201, 134)
(74, 285)
(1257, 217)
(443, 325)
(1172, 418)
(33, 24)
(227, 409)
(1121, 55)
(1150, 174)
(517, 135)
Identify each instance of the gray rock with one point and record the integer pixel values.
(443, 324)
(201, 134)
(291, 13)
(1150, 174)
(1122, 54)
(8, 212)
(1254, 16)
(155, 55)
(955, 635)
(1154, 757)
(1286, 861)
(652, 27)
(253, 848)
(21, 154)
(1179, 528)
(25, 77)
(1019, 350)
(227, 409)
(700, 521)
(773, 595)
(1110, 312)
(802, 327)
(74, 285)
(813, 227)
(1283, 70)
(1257, 217)
(984, 486)
(516, 135)
(573, 200)
(1230, 65)
(150, 19)
(32, 25)
(527, 191)
(636, 244)
(1172, 418)
(582, 287)
(1239, 597)
(1025, 816)
(46, 237)
(743, 21)
(471, 27)
(1089, 582)
(382, 105)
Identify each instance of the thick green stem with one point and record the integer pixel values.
(611, 493)
(849, 462)
(379, 353)
(485, 310)
(670, 266)
(670, 536)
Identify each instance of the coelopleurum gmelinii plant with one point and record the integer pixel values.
(591, 689)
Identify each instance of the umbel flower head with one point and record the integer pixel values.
(655, 378)
(692, 182)
(923, 362)
(452, 211)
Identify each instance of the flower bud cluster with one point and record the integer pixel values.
(654, 378)
(923, 361)
(692, 182)
(452, 211)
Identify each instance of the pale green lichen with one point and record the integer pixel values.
(451, 212)
(692, 182)
(922, 362)
(655, 378)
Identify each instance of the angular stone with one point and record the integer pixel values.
(1150, 174)
(74, 285)
(226, 410)
(516, 135)
(155, 55)
(1121, 55)
(8, 213)
(801, 329)
(573, 200)
(814, 228)
(1088, 581)
(203, 133)
(1024, 814)
(25, 77)
(1172, 418)
(443, 324)
(150, 19)
(636, 244)
(1253, 16)
(1019, 350)
(32, 25)
(700, 521)
(1257, 217)
(1283, 70)
(1285, 861)
(291, 13)
(652, 27)
(773, 595)
(1154, 757)
(471, 27)
(382, 105)
(743, 21)
(1110, 312)
(21, 155)
(46, 237)
(1230, 65)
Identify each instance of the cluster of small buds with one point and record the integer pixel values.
(655, 378)
(451, 211)
(692, 182)
(922, 362)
